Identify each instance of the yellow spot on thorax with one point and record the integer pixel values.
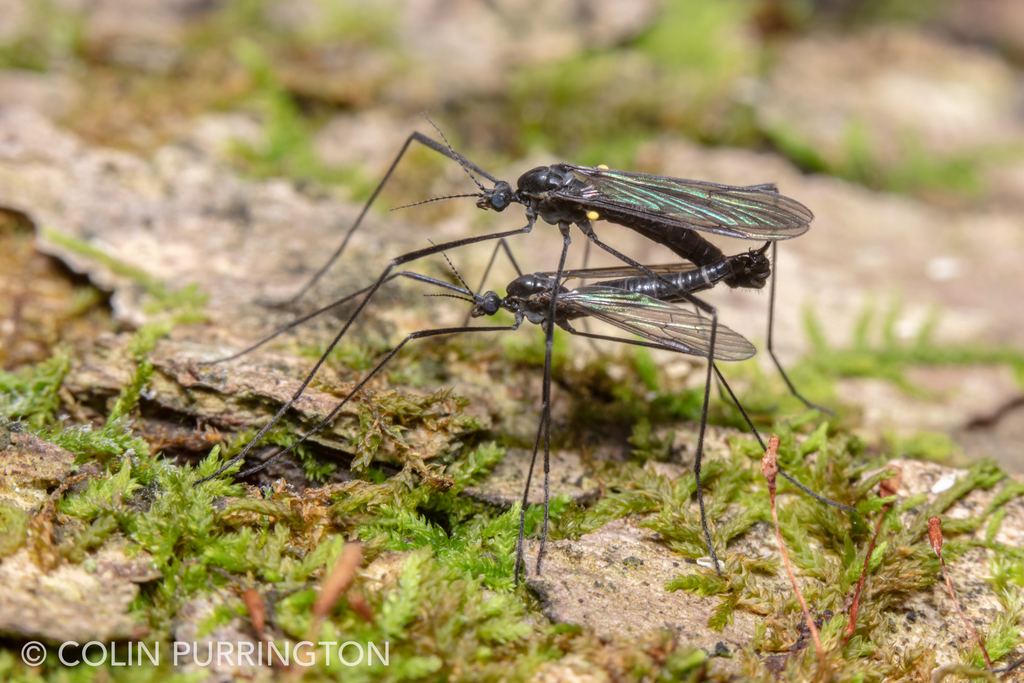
(602, 167)
(593, 215)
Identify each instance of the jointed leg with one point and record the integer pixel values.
(414, 137)
(406, 258)
(545, 418)
(771, 328)
(549, 345)
(298, 321)
(735, 401)
(710, 310)
(502, 244)
(334, 412)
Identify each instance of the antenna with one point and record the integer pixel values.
(455, 155)
(435, 199)
(454, 270)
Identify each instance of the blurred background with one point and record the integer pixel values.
(901, 124)
(916, 97)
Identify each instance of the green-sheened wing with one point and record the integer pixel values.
(743, 212)
(659, 322)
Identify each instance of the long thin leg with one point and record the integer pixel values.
(757, 435)
(540, 431)
(330, 416)
(771, 328)
(707, 308)
(732, 395)
(710, 310)
(520, 552)
(414, 137)
(586, 321)
(588, 230)
(502, 244)
(549, 345)
(586, 259)
(405, 258)
(700, 441)
(544, 428)
(298, 321)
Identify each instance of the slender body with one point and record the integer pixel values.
(665, 210)
(752, 268)
(668, 211)
(529, 298)
(640, 304)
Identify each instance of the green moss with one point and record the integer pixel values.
(31, 393)
(1003, 635)
(646, 368)
(481, 546)
(102, 495)
(115, 439)
(384, 420)
(528, 346)
(647, 446)
(879, 11)
(904, 559)
(350, 355)
(933, 446)
(800, 151)
(453, 611)
(347, 21)
(466, 536)
(680, 75)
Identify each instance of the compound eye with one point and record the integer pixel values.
(502, 196)
(492, 303)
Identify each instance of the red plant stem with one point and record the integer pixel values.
(257, 611)
(334, 584)
(935, 536)
(338, 580)
(887, 488)
(860, 584)
(769, 468)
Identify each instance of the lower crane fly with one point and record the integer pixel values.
(630, 303)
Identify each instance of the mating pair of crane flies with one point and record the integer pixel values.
(669, 211)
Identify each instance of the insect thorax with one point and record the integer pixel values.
(538, 189)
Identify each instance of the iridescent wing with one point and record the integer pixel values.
(745, 212)
(657, 321)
